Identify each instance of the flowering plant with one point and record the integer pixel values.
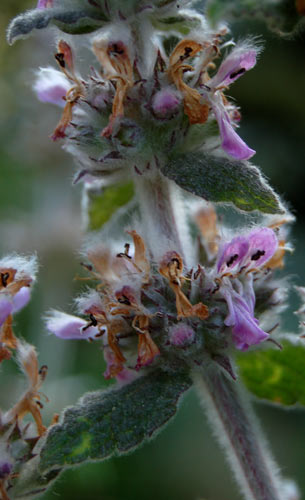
(178, 298)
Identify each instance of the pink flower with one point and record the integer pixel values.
(247, 252)
(240, 60)
(245, 327)
(66, 326)
(235, 260)
(51, 86)
(17, 275)
(44, 4)
(231, 142)
(6, 308)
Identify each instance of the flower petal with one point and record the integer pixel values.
(6, 308)
(21, 298)
(51, 86)
(44, 4)
(231, 142)
(67, 326)
(245, 327)
(263, 244)
(231, 255)
(238, 62)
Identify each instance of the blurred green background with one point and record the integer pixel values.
(40, 212)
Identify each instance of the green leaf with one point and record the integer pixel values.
(103, 205)
(76, 21)
(276, 375)
(182, 24)
(114, 421)
(281, 16)
(222, 180)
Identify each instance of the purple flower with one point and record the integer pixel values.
(51, 86)
(245, 327)
(243, 254)
(230, 140)
(6, 308)
(263, 244)
(240, 60)
(17, 276)
(246, 252)
(44, 4)
(21, 299)
(232, 254)
(66, 326)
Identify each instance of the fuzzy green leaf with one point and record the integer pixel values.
(275, 375)
(76, 21)
(222, 180)
(103, 205)
(115, 421)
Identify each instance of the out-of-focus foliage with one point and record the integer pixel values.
(282, 372)
(102, 206)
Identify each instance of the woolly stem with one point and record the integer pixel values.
(163, 216)
(235, 426)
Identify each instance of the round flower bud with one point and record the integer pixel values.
(181, 335)
(5, 469)
(166, 103)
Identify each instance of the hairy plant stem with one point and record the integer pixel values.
(237, 431)
(164, 226)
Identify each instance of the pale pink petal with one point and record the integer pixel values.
(69, 327)
(51, 86)
(124, 376)
(6, 308)
(21, 298)
(44, 4)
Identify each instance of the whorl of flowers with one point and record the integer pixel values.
(171, 312)
(135, 102)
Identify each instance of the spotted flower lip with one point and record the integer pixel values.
(235, 262)
(241, 59)
(232, 254)
(67, 326)
(263, 244)
(236, 64)
(247, 252)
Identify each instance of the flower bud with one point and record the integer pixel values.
(5, 469)
(166, 103)
(181, 335)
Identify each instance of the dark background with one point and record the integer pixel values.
(40, 211)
